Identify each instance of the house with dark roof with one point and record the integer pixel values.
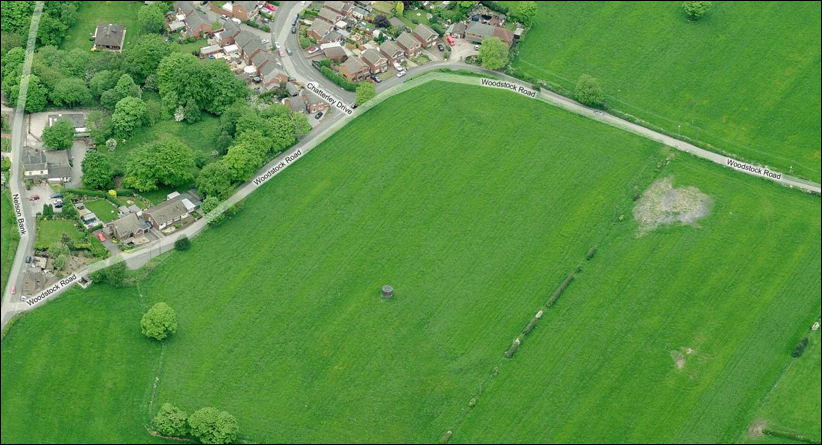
(376, 61)
(360, 13)
(296, 104)
(243, 10)
(410, 46)
(319, 29)
(334, 53)
(506, 35)
(425, 35)
(35, 165)
(392, 51)
(314, 103)
(126, 227)
(396, 23)
(457, 30)
(109, 37)
(477, 32)
(250, 44)
(292, 89)
(342, 8)
(59, 168)
(198, 24)
(229, 33)
(166, 213)
(332, 37)
(270, 74)
(78, 121)
(353, 69)
(329, 15)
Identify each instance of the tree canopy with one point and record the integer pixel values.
(70, 92)
(150, 18)
(59, 136)
(171, 421)
(129, 113)
(97, 171)
(365, 92)
(159, 321)
(143, 56)
(211, 425)
(695, 10)
(168, 162)
(588, 91)
(210, 84)
(494, 53)
(214, 180)
(523, 12)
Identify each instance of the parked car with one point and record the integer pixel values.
(58, 204)
(224, 17)
(476, 47)
(277, 45)
(281, 52)
(401, 73)
(370, 79)
(265, 41)
(265, 20)
(293, 30)
(397, 66)
(28, 259)
(34, 198)
(318, 115)
(312, 50)
(440, 47)
(288, 50)
(203, 3)
(57, 196)
(375, 78)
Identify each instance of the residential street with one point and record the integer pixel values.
(301, 69)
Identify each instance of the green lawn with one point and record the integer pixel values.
(51, 231)
(474, 225)
(794, 403)
(93, 13)
(745, 78)
(739, 290)
(104, 210)
(10, 237)
(51, 367)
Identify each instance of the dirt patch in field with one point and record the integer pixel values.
(756, 429)
(661, 204)
(679, 359)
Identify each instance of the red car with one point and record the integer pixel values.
(100, 236)
(34, 198)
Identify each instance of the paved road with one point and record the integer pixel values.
(338, 120)
(18, 136)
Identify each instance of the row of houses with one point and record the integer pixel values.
(190, 20)
(52, 165)
(476, 32)
(135, 222)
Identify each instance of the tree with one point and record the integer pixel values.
(695, 9)
(12, 60)
(399, 8)
(211, 425)
(150, 18)
(301, 125)
(97, 171)
(224, 88)
(159, 321)
(182, 243)
(171, 421)
(210, 203)
(59, 136)
(99, 126)
(129, 113)
(102, 81)
(365, 92)
(381, 21)
(494, 53)
(523, 12)
(58, 248)
(143, 56)
(242, 161)
(588, 91)
(126, 87)
(35, 95)
(168, 162)
(60, 262)
(192, 112)
(211, 84)
(229, 118)
(70, 92)
(114, 275)
(214, 180)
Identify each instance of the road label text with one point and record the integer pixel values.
(276, 169)
(18, 212)
(509, 86)
(760, 171)
(67, 281)
(334, 102)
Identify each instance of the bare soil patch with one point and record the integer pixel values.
(661, 204)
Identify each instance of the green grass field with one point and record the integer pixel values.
(10, 237)
(745, 78)
(799, 388)
(93, 13)
(51, 231)
(474, 225)
(104, 210)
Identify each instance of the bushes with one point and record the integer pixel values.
(591, 252)
(513, 349)
(800, 348)
(559, 291)
(341, 81)
(171, 421)
(182, 243)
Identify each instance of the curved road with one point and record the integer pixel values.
(303, 71)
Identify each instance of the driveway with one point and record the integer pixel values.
(44, 191)
(78, 153)
(462, 49)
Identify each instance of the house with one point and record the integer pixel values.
(184, 8)
(271, 76)
(296, 104)
(109, 37)
(360, 13)
(393, 52)
(292, 89)
(329, 15)
(210, 50)
(376, 62)
(242, 10)
(319, 29)
(477, 32)
(332, 37)
(250, 44)
(506, 35)
(78, 121)
(396, 23)
(342, 8)
(314, 103)
(126, 227)
(411, 47)
(59, 167)
(34, 163)
(198, 24)
(176, 25)
(353, 69)
(457, 30)
(166, 213)
(425, 35)
(229, 33)
(334, 53)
